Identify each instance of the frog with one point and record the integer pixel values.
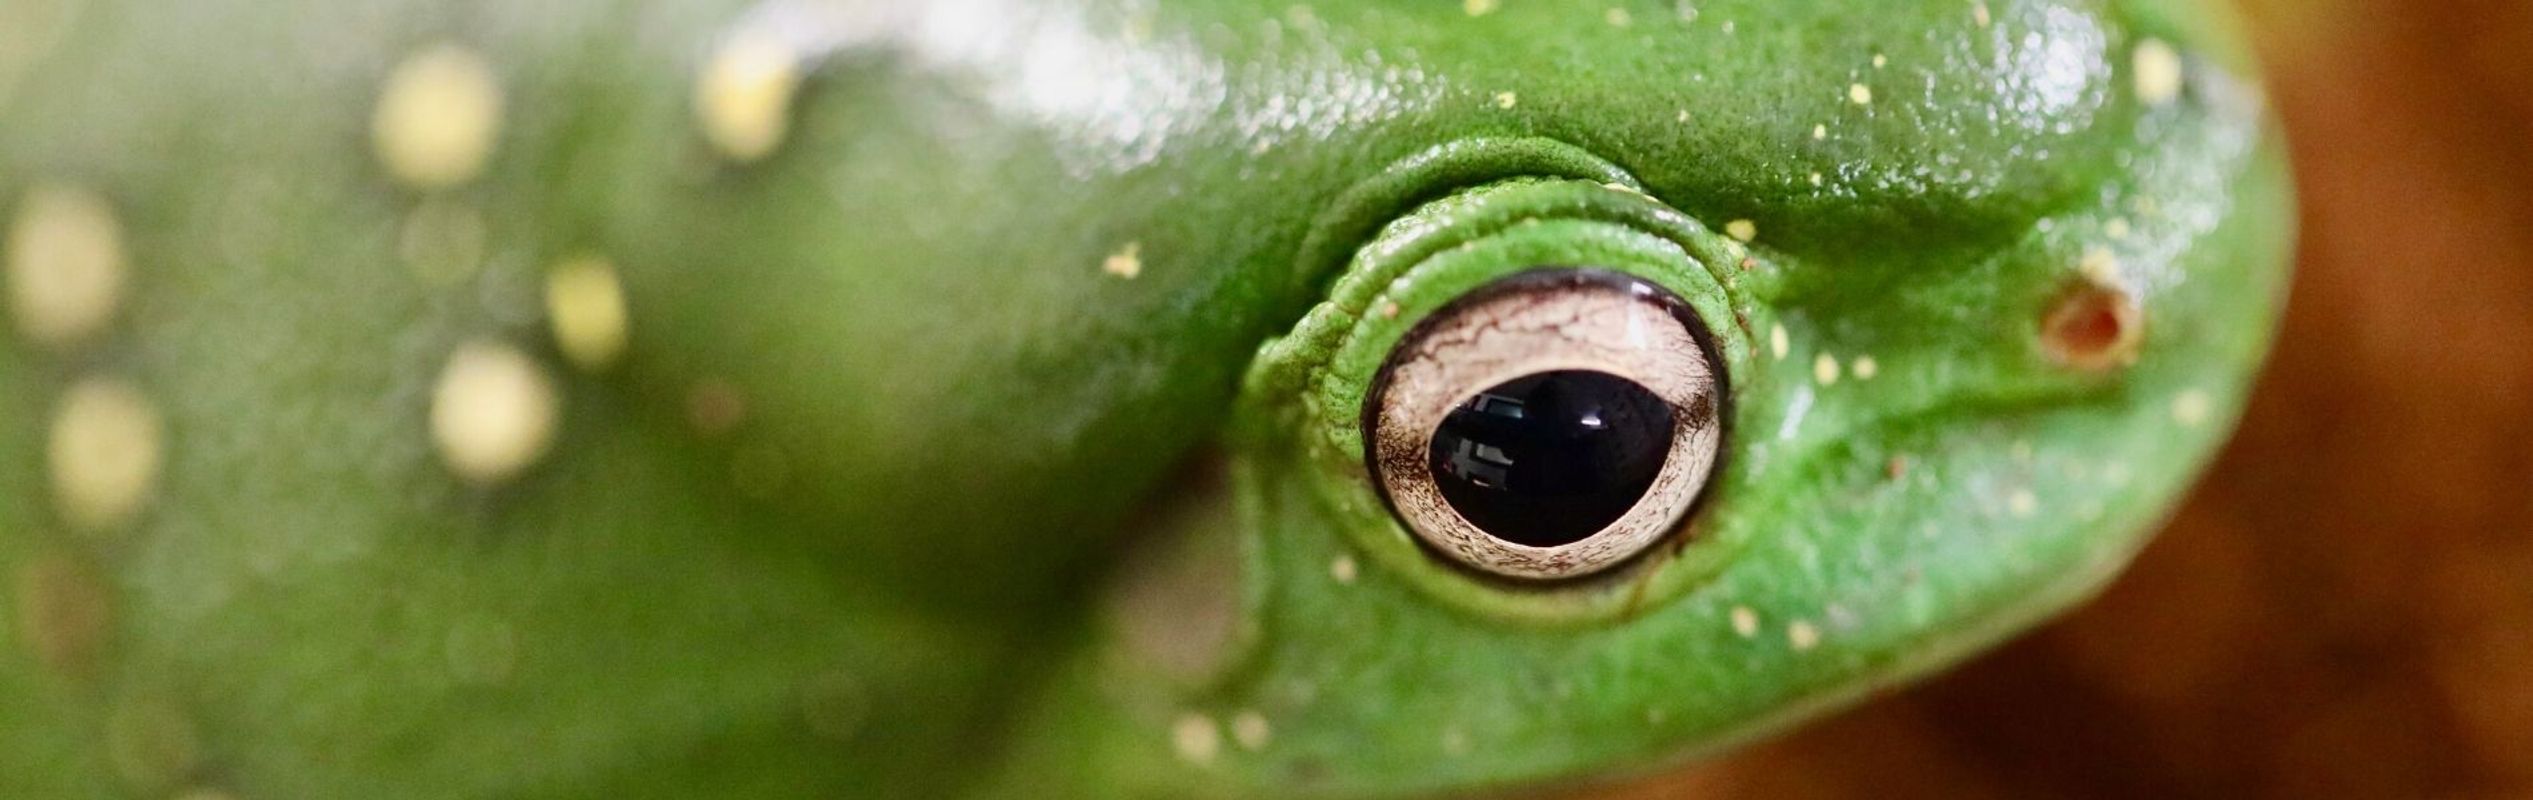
(1079, 398)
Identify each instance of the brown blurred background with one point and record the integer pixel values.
(2345, 608)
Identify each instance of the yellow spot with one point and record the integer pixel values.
(1880, 61)
(1860, 94)
(1742, 230)
(1779, 343)
(1825, 369)
(65, 264)
(1745, 622)
(2117, 228)
(1866, 368)
(62, 613)
(743, 99)
(1979, 13)
(1389, 310)
(1684, 116)
(1618, 17)
(1506, 100)
(1478, 8)
(1820, 132)
(438, 118)
(1250, 729)
(1816, 179)
(2157, 69)
(1802, 635)
(2192, 408)
(2100, 265)
(1125, 263)
(2022, 503)
(1342, 570)
(1196, 739)
(585, 303)
(494, 413)
(105, 453)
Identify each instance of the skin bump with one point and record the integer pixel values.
(494, 413)
(104, 453)
(66, 265)
(743, 99)
(438, 118)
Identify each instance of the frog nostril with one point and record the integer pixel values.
(2093, 327)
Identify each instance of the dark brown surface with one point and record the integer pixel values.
(2345, 608)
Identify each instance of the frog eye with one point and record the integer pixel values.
(1548, 425)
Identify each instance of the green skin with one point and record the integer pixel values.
(964, 554)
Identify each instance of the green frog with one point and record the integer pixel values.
(1078, 398)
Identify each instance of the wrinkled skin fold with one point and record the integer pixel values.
(994, 430)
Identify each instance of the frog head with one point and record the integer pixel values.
(1079, 398)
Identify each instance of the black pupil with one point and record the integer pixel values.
(1552, 458)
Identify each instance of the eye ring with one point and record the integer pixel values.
(1550, 425)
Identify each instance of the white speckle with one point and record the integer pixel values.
(1866, 368)
(1250, 729)
(1803, 635)
(494, 413)
(1742, 230)
(1126, 263)
(1506, 100)
(2191, 408)
(1825, 369)
(1196, 739)
(585, 302)
(2158, 72)
(1342, 569)
(105, 452)
(1745, 622)
(65, 264)
(743, 99)
(2022, 503)
(1478, 8)
(1860, 94)
(438, 117)
(1779, 342)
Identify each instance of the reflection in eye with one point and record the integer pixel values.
(1550, 459)
(1549, 425)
